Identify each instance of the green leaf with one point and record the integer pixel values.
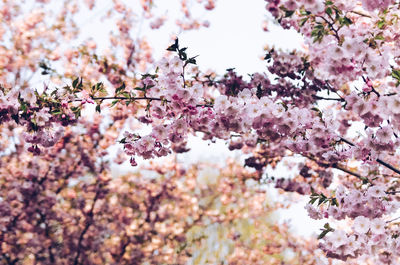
(75, 82)
(46, 69)
(289, 13)
(345, 21)
(329, 11)
(325, 231)
(24, 107)
(114, 102)
(381, 23)
(126, 94)
(174, 47)
(98, 109)
(318, 32)
(323, 234)
(379, 36)
(303, 21)
(100, 87)
(321, 201)
(192, 60)
(396, 74)
(120, 88)
(182, 55)
(56, 112)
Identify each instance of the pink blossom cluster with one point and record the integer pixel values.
(370, 232)
(311, 179)
(370, 238)
(343, 54)
(45, 138)
(8, 105)
(375, 112)
(314, 6)
(371, 5)
(335, 104)
(293, 186)
(28, 108)
(295, 80)
(372, 203)
(182, 109)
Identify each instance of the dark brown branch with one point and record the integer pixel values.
(89, 222)
(183, 75)
(393, 192)
(124, 245)
(397, 218)
(322, 98)
(383, 163)
(337, 166)
(373, 89)
(122, 98)
(360, 14)
(332, 28)
(9, 261)
(334, 165)
(380, 161)
(134, 99)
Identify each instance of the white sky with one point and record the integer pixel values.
(234, 39)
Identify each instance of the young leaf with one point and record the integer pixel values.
(75, 82)
(174, 47)
(114, 102)
(120, 88)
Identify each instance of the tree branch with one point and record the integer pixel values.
(380, 161)
(89, 222)
(360, 14)
(322, 98)
(337, 166)
(134, 99)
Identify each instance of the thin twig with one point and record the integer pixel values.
(340, 167)
(360, 14)
(373, 89)
(393, 192)
(383, 163)
(89, 221)
(122, 98)
(134, 99)
(331, 25)
(323, 98)
(393, 220)
(334, 165)
(380, 161)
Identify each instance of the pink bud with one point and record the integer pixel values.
(367, 89)
(133, 162)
